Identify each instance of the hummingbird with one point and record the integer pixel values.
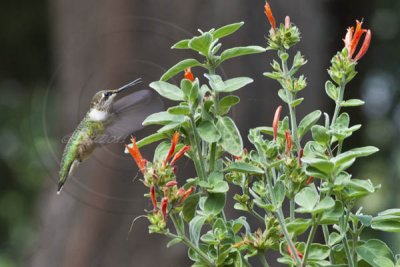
(108, 120)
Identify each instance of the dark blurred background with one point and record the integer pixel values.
(54, 55)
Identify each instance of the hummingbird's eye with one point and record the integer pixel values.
(107, 94)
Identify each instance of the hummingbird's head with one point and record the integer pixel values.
(103, 100)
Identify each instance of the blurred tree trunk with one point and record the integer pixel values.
(102, 44)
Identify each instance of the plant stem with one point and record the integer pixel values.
(325, 231)
(347, 250)
(188, 243)
(212, 156)
(263, 260)
(291, 207)
(281, 220)
(309, 242)
(202, 172)
(292, 112)
(338, 102)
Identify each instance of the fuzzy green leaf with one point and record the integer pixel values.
(240, 51)
(231, 139)
(179, 67)
(227, 30)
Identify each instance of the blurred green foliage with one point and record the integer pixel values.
(24, 69)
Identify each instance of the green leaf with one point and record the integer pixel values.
(320, 134)
(373, 249)
(244, 167)
(179, 67)
(354, 153)
(227, 30)
(174, 242)
(352, 103)
(233, 84)
(162, 118)
(179, 110)
(318, 252)
(334, 238)
(151, 139)
(201, 43)
(283, 96)
(383, 262)
(298, 226)
(195, 226)
(307, 122)
(231, 139)
(388, 221)
(167, 90)
(240, 51)
(296, 102)
(219, 187)
(279, 193)
(325, 204)
(182, 44)
(356, 188)
(190, 206)
(332, 216)
(226, 103)
(307, 198)
(331, 90)
(208, 132)
(214, 203)
(323, 165)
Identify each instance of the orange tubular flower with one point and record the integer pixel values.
(174, 141)
(135, 153)
(189, 75)
(179, 154)
(276, 121)
(164, 204)
(309, 180)
(364, 47)
(299, 254)
(270, 16)
(288, 143)
(352, 39)
(186, 194)
(153, 197)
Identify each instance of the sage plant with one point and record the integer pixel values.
(311, 175)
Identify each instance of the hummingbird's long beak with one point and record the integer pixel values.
(137, 81)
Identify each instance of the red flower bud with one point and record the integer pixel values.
(171, 183)
(135, 153)
(174, 141)
(287, 22)
(187, 194)
(288, 143)
(309, 180)
(299, 254)
(164, 204)
(179, 154)
(270, 16)
(181, 191)
(153, 197)
(300, 156)
(276, 121)
(189, 75)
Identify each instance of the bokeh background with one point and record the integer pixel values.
(54, 55)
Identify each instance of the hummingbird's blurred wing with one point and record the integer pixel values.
(128, 114)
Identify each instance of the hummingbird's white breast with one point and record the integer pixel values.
(98, 115)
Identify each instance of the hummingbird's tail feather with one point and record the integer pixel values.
(60, 187)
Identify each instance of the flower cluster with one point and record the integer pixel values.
(159, 177)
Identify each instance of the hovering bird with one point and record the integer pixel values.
(107, 121)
